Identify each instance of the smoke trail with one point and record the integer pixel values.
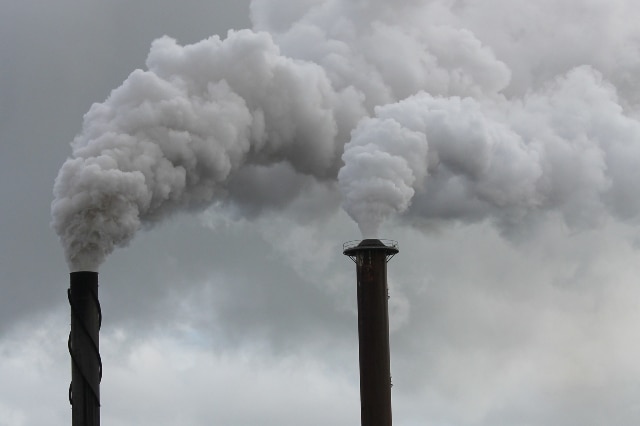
(417, 108)
(171, 137)
(384, 161)
(567, 148)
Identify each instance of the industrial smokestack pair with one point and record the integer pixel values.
(371, 257)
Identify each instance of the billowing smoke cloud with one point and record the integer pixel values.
(567, 148)
(172, 137)
(414, 107)
(384, 161)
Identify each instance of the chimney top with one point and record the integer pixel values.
(352, 248)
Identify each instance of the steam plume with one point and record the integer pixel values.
(172, 137)
(417, 108)
(568, 148)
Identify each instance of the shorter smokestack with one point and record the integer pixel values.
(86, 365)
(371, 257)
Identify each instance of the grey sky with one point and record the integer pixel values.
(244, 314)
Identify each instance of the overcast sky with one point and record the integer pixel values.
(514, 298)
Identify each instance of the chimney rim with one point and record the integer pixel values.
(389, 247)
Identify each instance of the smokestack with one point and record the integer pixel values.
(371, 257)
(86, 365)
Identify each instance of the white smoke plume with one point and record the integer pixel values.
(384, 161)
(427, 109)
(171, 137)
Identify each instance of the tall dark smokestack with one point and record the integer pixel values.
(86, 366)
(371, 258)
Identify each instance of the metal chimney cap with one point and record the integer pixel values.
(389, 247)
